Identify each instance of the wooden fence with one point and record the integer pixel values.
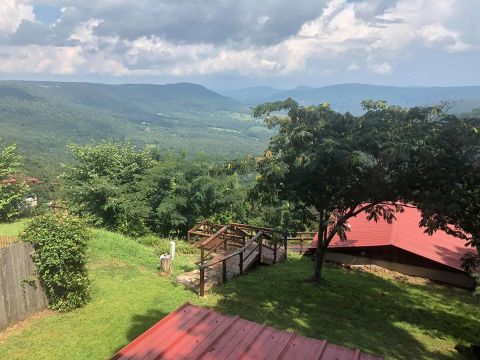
(21, 294)
(7, 240)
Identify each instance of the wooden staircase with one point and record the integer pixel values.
(231, 250)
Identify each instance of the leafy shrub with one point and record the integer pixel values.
(149, 240)
(60, 244)
(184, 247)
(162, 245)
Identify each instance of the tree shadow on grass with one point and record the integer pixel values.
(353, 309)
(141, 323)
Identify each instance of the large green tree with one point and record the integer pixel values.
(340, 164)
(12, 184)
(448, 180)
(181, 191)
(101, 184)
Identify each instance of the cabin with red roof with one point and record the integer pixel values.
(401, 246)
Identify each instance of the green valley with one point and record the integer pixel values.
(43, 117)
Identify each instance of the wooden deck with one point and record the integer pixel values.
(230, 250)
(214, 274)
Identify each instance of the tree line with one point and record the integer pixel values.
(320, 168)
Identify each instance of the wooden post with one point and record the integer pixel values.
(166, 264)
(275, 253)
(202, 256)
(260, 240)
(224, 270)
(202, 281)
(240, 264)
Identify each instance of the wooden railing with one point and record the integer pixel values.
(242, 258)
(244, 254)
(207, 234)
(7, 240)
(252, 229)
(301, 238)
(216, 238)
(203, 230)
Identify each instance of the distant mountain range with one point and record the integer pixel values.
(43, 117)
(348, 97)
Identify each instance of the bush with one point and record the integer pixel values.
(60, 244)
(184, 247)
(162, 245)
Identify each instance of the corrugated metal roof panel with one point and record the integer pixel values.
(403, 233)
(440, 247)
(191, 332)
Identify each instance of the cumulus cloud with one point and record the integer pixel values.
(190, 38)
(438, 35)
(12, 13)
(37, 59)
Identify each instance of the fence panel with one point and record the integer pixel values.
(7, 240)
(21, 295)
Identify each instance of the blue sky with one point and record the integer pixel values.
(233, 44)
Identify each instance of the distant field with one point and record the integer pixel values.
(389, 318)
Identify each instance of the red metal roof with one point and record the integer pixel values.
(192, 332)
(405, 234)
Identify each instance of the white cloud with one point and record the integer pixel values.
(376, 33)
(84, 31)
(438, 35)
(382, 68)
(35, 59)
(12, 13)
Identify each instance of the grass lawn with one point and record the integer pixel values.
(12, 229)
(389, 318)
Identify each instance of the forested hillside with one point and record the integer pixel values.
(43, 117)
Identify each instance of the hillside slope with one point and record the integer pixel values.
(43, 117)
(385, 316)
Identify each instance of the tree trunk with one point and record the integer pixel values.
(321, 249)
(319, 260)
(325, 235)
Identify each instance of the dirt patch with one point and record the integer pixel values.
(387, 274)
(4, 334)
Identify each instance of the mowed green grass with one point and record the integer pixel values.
(12, 229)
(388, 318)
